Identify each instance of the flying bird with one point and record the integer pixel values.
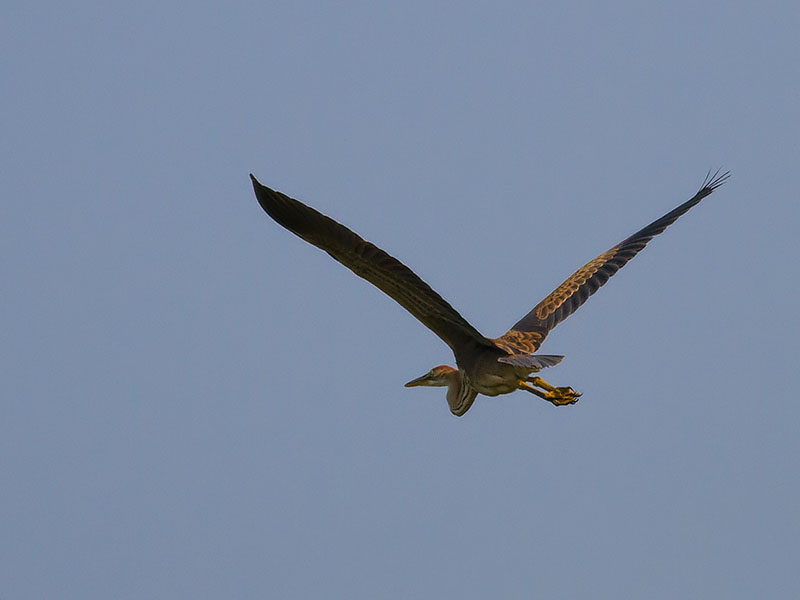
(489, 366)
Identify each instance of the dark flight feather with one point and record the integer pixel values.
(528, 333)
(373, 264)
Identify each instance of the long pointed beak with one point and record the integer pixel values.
(418, 381)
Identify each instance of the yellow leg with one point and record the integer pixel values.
(559, 396)
(539, 382)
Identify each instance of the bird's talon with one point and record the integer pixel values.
(562, 396)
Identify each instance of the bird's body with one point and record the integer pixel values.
(485, 366)
(481, 371)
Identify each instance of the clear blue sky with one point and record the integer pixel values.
(197, 404)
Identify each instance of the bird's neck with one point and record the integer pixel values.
(455, 387)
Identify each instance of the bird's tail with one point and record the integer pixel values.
(534, 362)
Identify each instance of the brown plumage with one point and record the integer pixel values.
(486, 366)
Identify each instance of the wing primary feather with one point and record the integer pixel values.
(371, 263)
(571, 294)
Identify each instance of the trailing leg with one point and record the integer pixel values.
(559, 396)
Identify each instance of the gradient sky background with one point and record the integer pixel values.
(197, 404)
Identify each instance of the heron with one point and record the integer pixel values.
(488, 366)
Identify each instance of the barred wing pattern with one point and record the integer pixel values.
(528, 333)
(371, 263)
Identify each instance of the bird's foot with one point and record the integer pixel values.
(562, 396)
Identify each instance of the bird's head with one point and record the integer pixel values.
(437, 377)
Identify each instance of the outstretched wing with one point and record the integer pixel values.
(527, 335)
(373, 264)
